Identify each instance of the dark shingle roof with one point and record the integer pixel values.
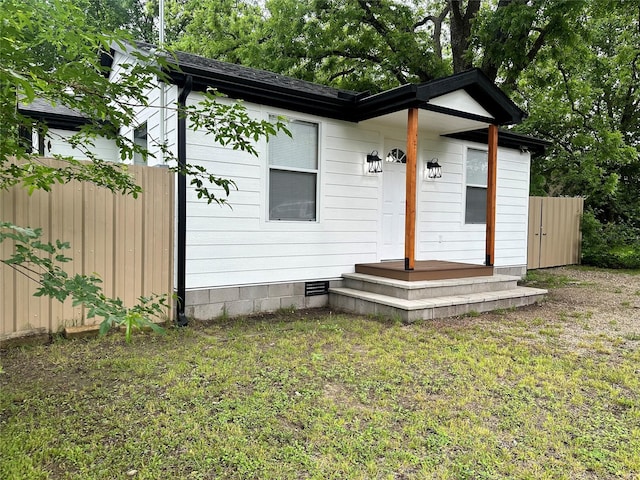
(40, 106)
(55, 116)
(258, 86)
(186, 61)
(278, 90)
(268, 88)
(506, 138)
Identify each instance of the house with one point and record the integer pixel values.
(378, 197)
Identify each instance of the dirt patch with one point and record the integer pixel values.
(585, 306)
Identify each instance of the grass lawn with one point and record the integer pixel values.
(325, 395)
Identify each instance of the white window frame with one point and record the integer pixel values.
(287, 168)
(468, 184)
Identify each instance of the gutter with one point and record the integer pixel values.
(181, 318)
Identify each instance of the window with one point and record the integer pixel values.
(396, 156)
(293, 172)
(140, 139)
(25, 138)
(477, 170)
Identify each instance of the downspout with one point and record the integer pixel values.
(181, 318)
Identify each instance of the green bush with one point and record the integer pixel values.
(609, 245)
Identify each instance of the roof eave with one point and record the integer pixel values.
(483, 91)
(54, 120)
(507, 139)
(474, 82)
(268, 94)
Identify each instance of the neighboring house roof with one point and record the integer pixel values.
(55, 116)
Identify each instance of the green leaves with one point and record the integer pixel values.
(583, 95)
(50, 54)
(231, 126)
(53, 52)
(40, 262)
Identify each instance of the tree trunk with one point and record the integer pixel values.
(461, 33)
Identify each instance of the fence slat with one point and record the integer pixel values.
(128, 242)
(554, 231)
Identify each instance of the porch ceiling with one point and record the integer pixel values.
(428, 121)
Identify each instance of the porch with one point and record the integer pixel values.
(424, 270)
(432, 290)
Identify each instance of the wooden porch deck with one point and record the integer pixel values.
(424, 270)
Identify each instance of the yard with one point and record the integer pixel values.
(549, 391)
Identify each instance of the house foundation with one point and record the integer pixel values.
(211, 303)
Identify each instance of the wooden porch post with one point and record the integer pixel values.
(410, 209)
(491, 194)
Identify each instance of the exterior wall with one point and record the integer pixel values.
(237, 258)
(512, 211)
(442, 233)
(151, 114)
(240, 246)
(56, 144)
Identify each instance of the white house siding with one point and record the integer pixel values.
(239, 245)
(512, 208)
(151, 113)
(56, 144)
(442, 233)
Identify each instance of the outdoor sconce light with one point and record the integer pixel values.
(374, 162)
(433, 170)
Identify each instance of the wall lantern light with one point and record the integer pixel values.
(374, 162)
(433, 170)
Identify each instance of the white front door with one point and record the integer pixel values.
(393, 201)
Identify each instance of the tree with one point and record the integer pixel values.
(585, 96)
(374, 45)
(50, 52)
(134, 16)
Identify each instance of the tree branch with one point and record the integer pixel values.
(437, 29)
(21, 272)
(341, 74)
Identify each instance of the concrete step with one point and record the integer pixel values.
(368, 303)
(428, 288)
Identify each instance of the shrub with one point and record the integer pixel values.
(609, 245)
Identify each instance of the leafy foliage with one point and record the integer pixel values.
(42, 262)
(53, 51)
(610, 245)
(584, 94)
(373, 46)
(134, 16)
(49, 53)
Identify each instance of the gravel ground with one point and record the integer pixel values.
(585, 306)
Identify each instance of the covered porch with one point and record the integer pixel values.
(462, 103)
(417, 287)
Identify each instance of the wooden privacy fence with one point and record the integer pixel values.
(554, 231)
(128, 242)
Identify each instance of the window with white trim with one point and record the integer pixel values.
(477, 169)
(293, 172)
